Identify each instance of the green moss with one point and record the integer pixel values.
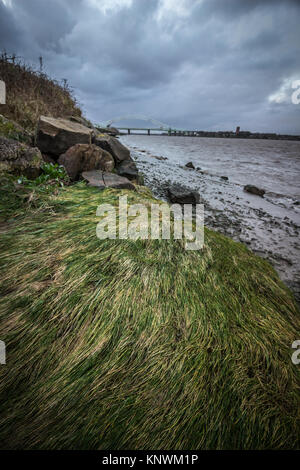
(120, 344)
(36, 159)
(12, 131)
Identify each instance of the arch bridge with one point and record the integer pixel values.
(157, 126)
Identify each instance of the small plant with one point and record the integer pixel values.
(51, 173)
(22, 193)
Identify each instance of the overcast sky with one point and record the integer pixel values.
(206, 64)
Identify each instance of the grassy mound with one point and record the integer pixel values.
(138, 344)
(31, 93)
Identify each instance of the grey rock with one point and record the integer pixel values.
(103, 180)
(159, 158)
(114, 147)
(249, 188)
(128, 169)
(19, 159)
(55, 136)
(181, 195)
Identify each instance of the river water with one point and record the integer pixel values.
(269, 226)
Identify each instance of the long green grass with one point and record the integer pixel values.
(120, 344)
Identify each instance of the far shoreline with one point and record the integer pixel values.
(256, 136)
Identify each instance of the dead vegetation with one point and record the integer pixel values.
(31, 93)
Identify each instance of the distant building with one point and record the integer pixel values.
(237, 131)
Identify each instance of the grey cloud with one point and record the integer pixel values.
(214, 66)
(10, 35)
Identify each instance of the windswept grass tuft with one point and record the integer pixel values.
(120, 344)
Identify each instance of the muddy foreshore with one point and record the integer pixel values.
(269, 226)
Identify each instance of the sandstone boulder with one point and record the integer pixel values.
(249, 188)
(85, 157)
(18, 158)
(114, 147)
(103, 180)
(56, 136)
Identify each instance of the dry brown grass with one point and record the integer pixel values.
(31, 93)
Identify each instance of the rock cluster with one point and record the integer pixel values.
(79, 147)
(73, 143)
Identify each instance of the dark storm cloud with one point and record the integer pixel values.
(9, 33)
(193, 64)
(42, 23)
(233, 8)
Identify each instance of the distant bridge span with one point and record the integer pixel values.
(158, 125)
